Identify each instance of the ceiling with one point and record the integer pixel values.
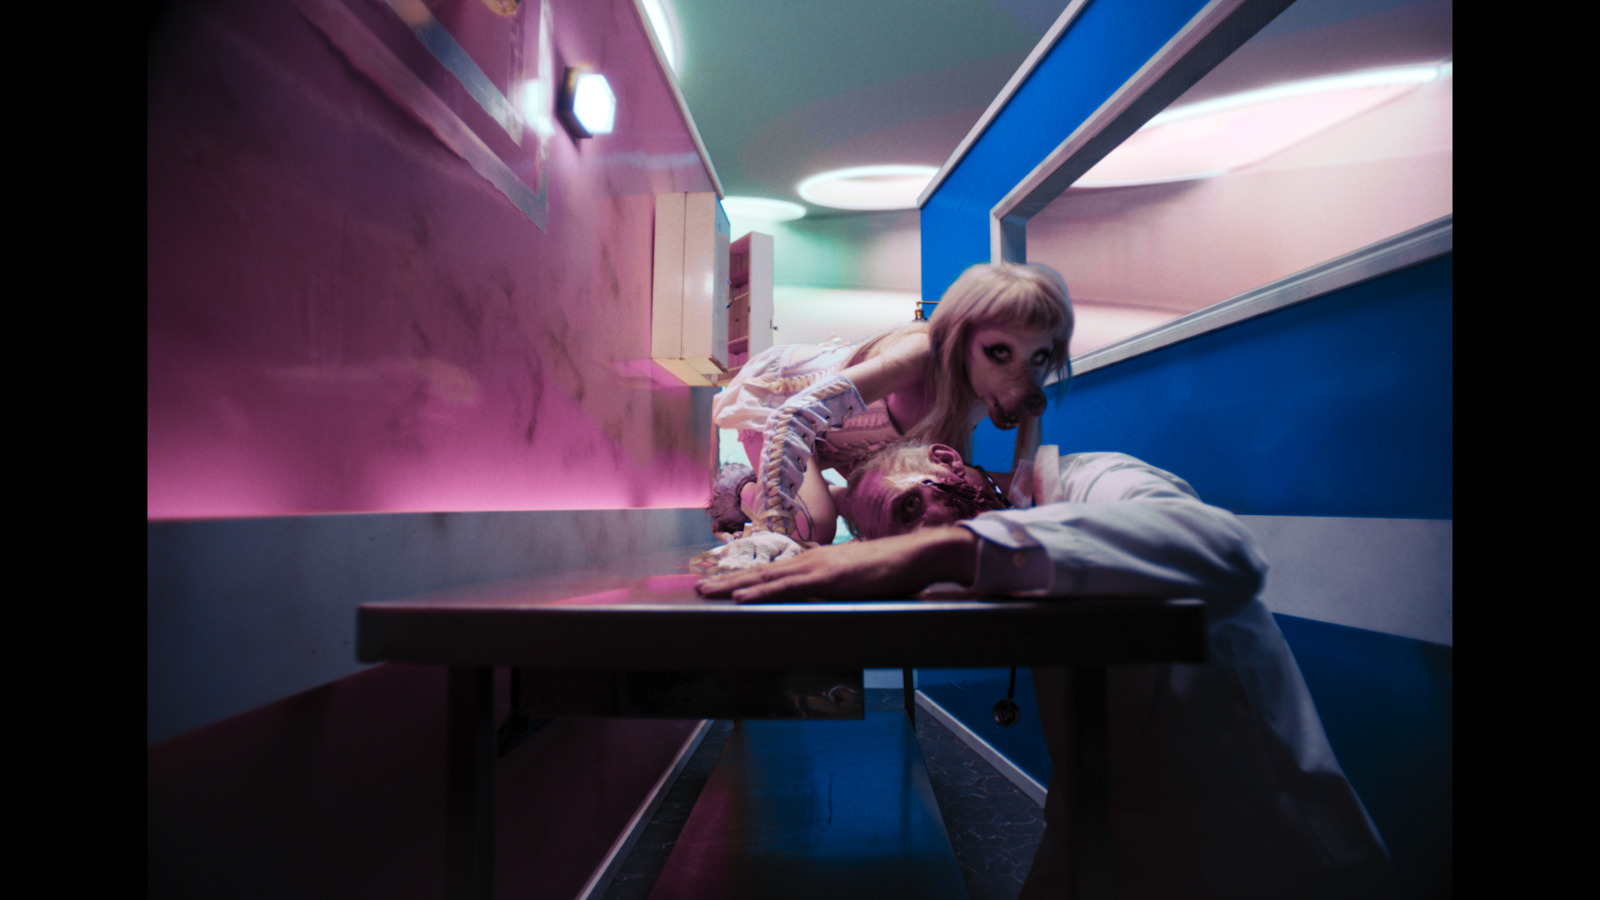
(784, 89)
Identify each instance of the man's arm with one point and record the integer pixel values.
(1130, 548)
(1117, 527)
(886, 568)
(1112, 525)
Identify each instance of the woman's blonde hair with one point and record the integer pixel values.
(1011, 295)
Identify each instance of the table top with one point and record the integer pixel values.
(621, 619)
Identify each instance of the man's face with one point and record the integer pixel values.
(918, 491)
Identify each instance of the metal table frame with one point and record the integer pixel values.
(605, 621)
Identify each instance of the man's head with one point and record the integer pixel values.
(914, 485)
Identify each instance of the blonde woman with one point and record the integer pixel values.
(994, 338)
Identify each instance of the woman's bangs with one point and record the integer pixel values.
(1025, 306)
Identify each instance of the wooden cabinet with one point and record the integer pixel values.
(711, 306)
(689, 300)
(750, 280)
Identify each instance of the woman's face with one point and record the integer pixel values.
(1006, 369)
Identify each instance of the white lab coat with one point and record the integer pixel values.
(1222, 780)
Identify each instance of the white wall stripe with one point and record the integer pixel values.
(1388, 575)
(983, 748)
(245, 612)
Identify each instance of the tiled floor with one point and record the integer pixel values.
(994, 827)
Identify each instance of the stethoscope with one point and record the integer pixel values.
(1006, 712)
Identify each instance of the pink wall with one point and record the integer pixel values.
(341, 793)
(343, 316)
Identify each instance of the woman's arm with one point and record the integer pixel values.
(897, 364)
(788, 483)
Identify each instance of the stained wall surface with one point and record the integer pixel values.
(371, 373)
(345, 316)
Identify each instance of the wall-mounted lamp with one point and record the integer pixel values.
(586, 105)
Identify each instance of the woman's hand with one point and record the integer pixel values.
(883, 569)
(763, 548)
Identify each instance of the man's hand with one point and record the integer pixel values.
(882, 569)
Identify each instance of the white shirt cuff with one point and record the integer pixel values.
(1009, 560)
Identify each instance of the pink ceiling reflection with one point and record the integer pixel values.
(1228, 139)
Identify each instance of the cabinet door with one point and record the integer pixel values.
(750, 314)
(689, 307)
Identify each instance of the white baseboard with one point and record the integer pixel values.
(601, 879)
(983, 748)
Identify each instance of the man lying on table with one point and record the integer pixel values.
(1222, 780)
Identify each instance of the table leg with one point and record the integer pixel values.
(471, 753)
(906, 681)
(1092, 828)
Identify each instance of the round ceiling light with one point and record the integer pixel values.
(761, 209)
(868, 187)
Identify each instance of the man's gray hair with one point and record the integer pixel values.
(886, 458)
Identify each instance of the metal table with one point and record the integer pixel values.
(629, 622)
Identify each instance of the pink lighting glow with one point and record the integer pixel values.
(344, 317)
(1230, 133)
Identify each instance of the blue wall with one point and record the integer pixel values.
(1103, 48)
(1387, 705)
(1341, 406)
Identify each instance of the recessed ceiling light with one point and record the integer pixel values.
(1213, 137)
(762, 209)
(868, 187)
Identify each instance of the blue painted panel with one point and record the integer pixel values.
(1340, 406)
(1388, 706)
(1102, 49)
